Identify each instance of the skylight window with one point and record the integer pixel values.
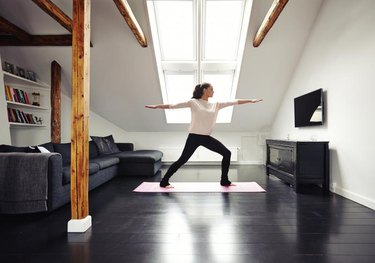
(198, 41)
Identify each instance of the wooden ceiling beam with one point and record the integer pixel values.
(272, 15)
(56, 13)
(132, 22)
(9, 28)
(38, 40)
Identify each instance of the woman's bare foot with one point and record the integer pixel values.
(165, 184)
(226, 183)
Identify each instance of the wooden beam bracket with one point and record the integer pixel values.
(271, 17)
(56, 13)
(130, 19)
(9, 28)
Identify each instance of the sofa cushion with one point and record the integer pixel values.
(93, 168)
(140, 156)
(64, 150)
(105, 161)
(106, 145)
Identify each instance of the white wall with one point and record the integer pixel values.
(98, 126)
(340, 58)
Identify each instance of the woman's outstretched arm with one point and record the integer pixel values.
(243, 101)
(159, 106)
(170, 106)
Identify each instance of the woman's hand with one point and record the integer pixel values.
(249, 101)
(151, 107)
(160, 106)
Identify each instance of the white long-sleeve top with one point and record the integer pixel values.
(203, 114)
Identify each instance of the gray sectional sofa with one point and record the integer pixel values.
(31, 181)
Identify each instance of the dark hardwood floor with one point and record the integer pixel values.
(276, 226)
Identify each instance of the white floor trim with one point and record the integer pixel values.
(79, 225)
(363, 200)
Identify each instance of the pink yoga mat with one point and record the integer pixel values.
(198, 187)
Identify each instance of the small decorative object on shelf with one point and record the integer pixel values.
(8, 67)
(21, 72)
(36, 98)
(39, 120)
(31, 75)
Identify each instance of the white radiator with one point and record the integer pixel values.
(171, 154)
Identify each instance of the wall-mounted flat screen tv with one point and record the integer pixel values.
(308, 109)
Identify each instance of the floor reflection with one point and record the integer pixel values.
(203, 223)
(79, 246)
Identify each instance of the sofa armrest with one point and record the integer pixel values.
(28, 188)
(55, 178)
(125, 146)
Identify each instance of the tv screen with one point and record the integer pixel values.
(308, 109)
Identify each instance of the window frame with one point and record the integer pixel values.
(199, 66)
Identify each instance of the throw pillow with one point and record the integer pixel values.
(9, 148)
(48, 146)
(65, 150)
(106, 145)
(42, 149)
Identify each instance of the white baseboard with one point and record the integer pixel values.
(370, 203)
(79, 225)
(249, 163)
(218, 163)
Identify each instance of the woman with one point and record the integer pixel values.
(203, 119)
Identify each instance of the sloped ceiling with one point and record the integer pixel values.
(124, 76)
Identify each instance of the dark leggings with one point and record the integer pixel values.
(192, 143)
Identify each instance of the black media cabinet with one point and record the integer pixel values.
(299, 162)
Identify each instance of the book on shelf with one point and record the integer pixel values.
(14, 96)
(26, 97)
(21, 96)
(24, 119)
(10, 116)
(19, 119)
(8, 94)
(30, 118)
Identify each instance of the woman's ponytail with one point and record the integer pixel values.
(198, 90)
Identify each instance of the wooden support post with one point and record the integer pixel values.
(55, 102)
(80, 116)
